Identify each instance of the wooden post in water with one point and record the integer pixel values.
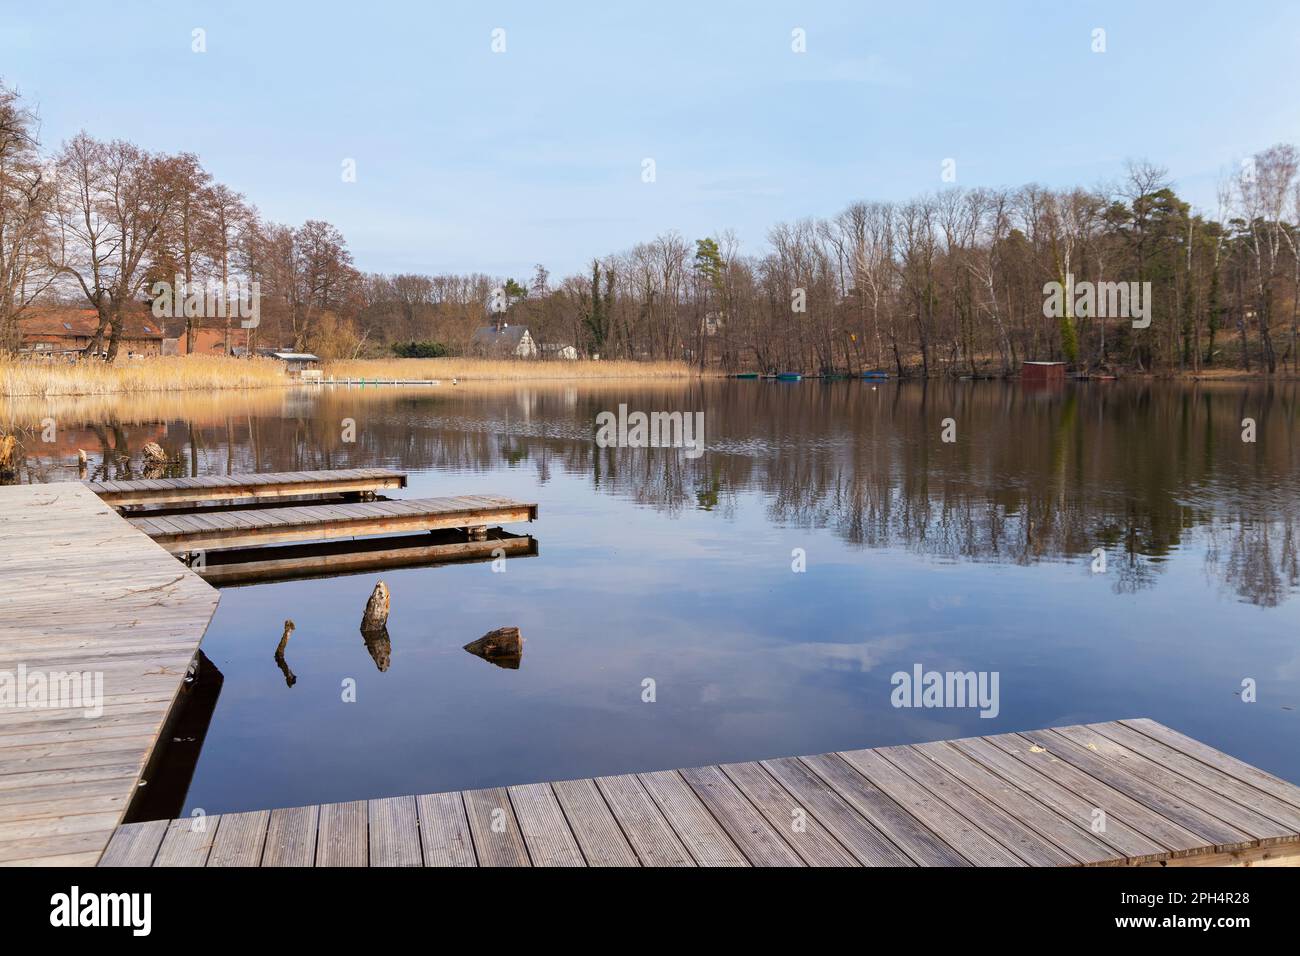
(289, 677)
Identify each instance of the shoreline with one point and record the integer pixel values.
(26, 380)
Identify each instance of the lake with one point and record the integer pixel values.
(763, 593)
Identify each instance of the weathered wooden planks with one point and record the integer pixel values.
(260, 565)
(394, 833)
(1132, 793)
(126, 613)
(327, 522)
(209, 488)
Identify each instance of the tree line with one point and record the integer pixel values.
(950, 283)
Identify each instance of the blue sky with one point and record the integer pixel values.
(469, 160)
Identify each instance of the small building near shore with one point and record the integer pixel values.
(297, 362)
(1042, 372)
(503, 341)
(558, 350)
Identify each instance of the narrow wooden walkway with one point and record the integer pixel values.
(1125, 793)
(333, 558)
(83, 592)
(327, 522)
(171, 491)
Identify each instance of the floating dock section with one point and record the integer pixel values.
(249, 487)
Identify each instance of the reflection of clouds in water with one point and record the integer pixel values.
(860, 657)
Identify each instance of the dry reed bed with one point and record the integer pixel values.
(503, 369)
(198, 372)
(159, 374)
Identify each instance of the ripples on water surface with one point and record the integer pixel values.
(968, 556)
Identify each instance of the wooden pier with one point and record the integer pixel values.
(239, 566)
(84, 592)
(1126, 793)
(259, 486)
(181, 533)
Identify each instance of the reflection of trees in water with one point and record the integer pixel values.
(1032, 477)
(1255, 559)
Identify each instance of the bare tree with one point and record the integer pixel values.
(25, 194)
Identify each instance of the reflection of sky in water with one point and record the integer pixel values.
(751, 660)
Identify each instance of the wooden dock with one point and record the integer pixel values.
(181, 533)
(238, 566)
(1132, 792)
(259, 486)
(86, 592)
(375, 381)
(83, 592)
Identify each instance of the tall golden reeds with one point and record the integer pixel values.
(19, 377)
(474, 369)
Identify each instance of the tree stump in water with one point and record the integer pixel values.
(374, 627)
(82, 462)
(504, 647)
(376, 614)
(379, 646)
(154, 453)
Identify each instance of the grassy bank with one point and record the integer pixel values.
(470, 369)
(162, 374)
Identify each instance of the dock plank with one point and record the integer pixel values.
(291, 837)
(1252, 776)
(1042, 819)
(188, 842)
(544, 826)
(655, 842)
(239, 839)
(598, 834)
(444, 830)
(918, 797)
(1126, 842)
(1209, 776)
(707, 842)
(1168, 805)
(135, 844)
(906, 832)
(802, 831)
(342, 835)
(760, 842)
(1241, 818)
(394, 832)
(858, 835)
(498, 840)
(1113, 803)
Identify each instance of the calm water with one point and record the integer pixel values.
(975, 555)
